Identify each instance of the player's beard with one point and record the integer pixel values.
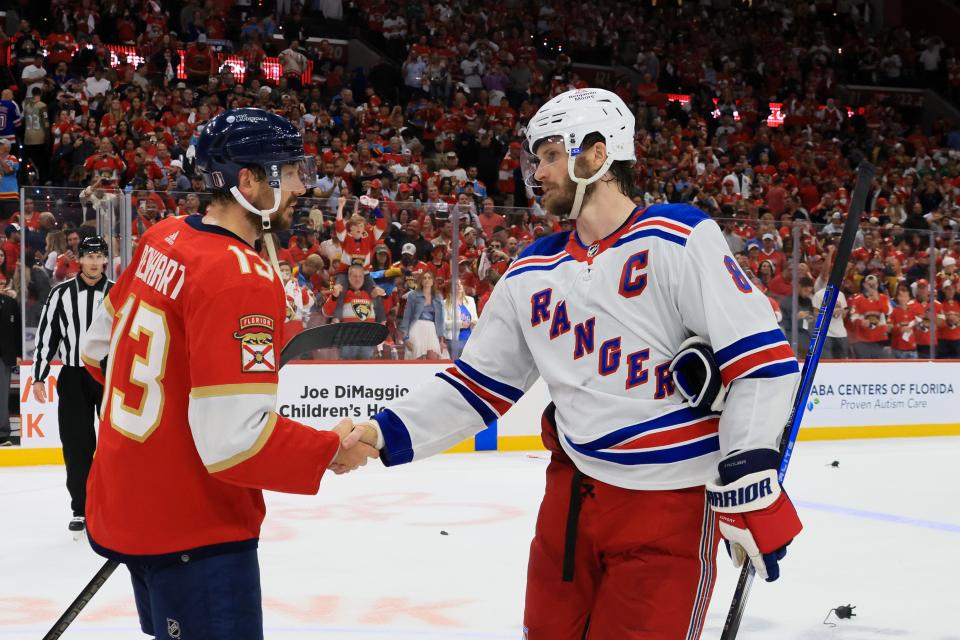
(559, 200)
(282, 218)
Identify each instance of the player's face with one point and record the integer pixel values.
(557, 189)
(291, 188)
(92, 264)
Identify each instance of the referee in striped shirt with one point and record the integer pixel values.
(67, 313)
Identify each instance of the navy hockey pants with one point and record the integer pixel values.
(212, 598)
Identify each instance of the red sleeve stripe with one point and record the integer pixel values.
(539, 259)
(674, 435)
(663, 223)
(497, 403)
(754, 360)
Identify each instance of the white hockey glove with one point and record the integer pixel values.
(696, 374)
(757, 518)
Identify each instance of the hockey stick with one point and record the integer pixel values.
(360, 334)
(857, 201)
(81, 601)
(353, 334)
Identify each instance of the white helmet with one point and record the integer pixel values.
(569, 118)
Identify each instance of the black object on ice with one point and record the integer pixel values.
(843, 612)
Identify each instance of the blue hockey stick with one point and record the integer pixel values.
(865, 174)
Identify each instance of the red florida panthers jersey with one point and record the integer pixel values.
(189, 434)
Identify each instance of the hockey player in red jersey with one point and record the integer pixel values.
(189, 435)
(614, 315)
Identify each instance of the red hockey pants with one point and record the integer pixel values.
(608, 563)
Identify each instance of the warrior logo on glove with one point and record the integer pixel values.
(757, 520)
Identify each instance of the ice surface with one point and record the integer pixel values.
(365, 559)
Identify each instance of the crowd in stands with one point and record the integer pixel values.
(405, 154)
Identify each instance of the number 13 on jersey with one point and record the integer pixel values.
(140, 344)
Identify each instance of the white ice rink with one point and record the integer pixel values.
(365, 559)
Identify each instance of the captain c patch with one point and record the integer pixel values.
(257, 353)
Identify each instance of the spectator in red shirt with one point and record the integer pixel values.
(948, 343)
(903, 322)
(439, 264)
(765, 273)
(770, 252)
(199, 61)
(781, 284)
(949, 271)
(408, 260)
(489, 218)
(508, 184)
(67, 263)
(926, 335)
(357, 238)
(105, 160)
(777, 197)
(353, 304)
(870, 313)
(11, 248)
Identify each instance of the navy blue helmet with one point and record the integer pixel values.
(239, 138)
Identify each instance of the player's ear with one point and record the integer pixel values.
(597, 154)
(247, 182)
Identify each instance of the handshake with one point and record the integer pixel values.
(358, 444)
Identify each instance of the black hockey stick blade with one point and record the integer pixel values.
(865, 173)
(342, 334)
(81, 601)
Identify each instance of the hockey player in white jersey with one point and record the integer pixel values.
(645, 466)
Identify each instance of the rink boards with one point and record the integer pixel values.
(855, 399)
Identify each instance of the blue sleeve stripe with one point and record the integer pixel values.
(655, 233)
(488, 416)
(547, 246)
(749, 343)
(496, 386)
(657, 456)
(682, 213)
(774, 370)
(537, 267)
(687, 414)
(397, 446)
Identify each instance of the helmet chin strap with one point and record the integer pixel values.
(583, 182)
(265, 223)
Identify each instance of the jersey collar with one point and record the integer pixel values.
(585, 253)
(196, 221)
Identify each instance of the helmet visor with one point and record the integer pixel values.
(294, 174)
(303, 170)
(545, 152)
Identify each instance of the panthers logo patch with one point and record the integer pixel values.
(257, 353)
(362, 309)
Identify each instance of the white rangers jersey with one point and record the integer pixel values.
(600, 324)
